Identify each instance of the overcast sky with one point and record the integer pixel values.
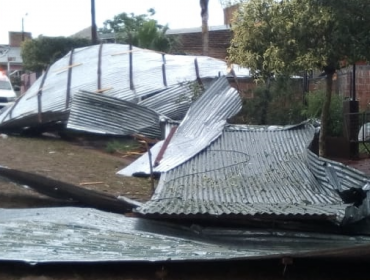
(66, 17)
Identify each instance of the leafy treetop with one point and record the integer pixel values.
(38, 53)
(282, 37)
(273, 37)
(140, 30)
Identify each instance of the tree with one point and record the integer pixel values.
(141, 31)
(284, 37)
(205, 33)
(38, 53)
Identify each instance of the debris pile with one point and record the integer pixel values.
(113, 89)
(234, 191)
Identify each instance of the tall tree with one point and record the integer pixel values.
(284, 37)
(205, 33)
(140, 30)
(38, 53)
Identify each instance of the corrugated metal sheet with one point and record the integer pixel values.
(147, 78)
(332, 174)
(98, 113)
(173, 102)
(202, 124)
(141, 166)
(249, 173)
(86, 235)
(348, 176)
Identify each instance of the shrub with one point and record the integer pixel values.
(314, 108)
(281, 103)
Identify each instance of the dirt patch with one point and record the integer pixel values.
(76, 162)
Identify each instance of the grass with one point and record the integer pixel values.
(364, 148)
(122, 146)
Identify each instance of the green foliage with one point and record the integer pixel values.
(140, 30)
(196, 89)
(314, 110)
(279, 103)
(363, 148)
(282, 37)
(121, 146)
(38, 53)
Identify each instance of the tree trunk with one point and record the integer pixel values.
(205, 34)
(325, 112)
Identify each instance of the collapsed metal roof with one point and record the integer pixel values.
(255, 173)
(247, 172)
(69, 234)
(112, 70)
(198, 130)
(173, 102)
(208, 169)
(97, 113)
(203, 124)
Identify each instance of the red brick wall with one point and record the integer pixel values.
(245, 86)
(342, 84)
(229, 13)
(219, 41)
(362, 86)
(15, 38)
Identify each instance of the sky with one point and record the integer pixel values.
(67, 17)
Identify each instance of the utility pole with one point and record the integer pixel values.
(22, 29)
(94, 38)
(23, 26)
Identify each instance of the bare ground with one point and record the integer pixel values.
(85, 163)
(80, 163)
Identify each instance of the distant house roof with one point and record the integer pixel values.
(14, 54)
(11, 54)
(86, 33)
(197, 29)
(191, 40)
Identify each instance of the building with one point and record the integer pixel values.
(191, 40)
(10, 55)
(102, 38)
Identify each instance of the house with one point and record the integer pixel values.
(10, 55)
(191, 40)
(102, 38)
